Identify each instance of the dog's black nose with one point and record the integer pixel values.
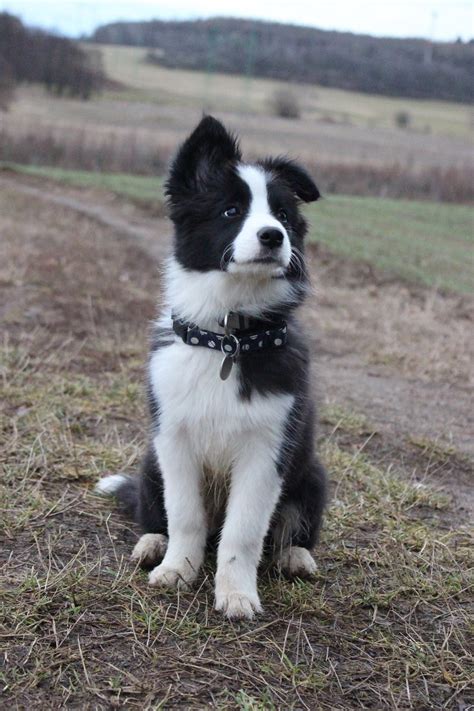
(270, 237)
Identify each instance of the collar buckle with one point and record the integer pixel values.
(233, 321)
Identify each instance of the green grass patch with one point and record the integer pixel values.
(136, 187)
(346, 421)
(426, 243)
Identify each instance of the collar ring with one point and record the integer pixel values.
(230, 345)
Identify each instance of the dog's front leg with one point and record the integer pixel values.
(254, 494)
(185, 512)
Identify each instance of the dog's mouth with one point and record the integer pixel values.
(263, 267)
(265, 260)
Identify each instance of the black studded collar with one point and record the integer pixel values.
(242, 335)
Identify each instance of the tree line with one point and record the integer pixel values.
(394, 67)
(30, 55)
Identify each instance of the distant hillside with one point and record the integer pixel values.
(394, 67)
(30, 55)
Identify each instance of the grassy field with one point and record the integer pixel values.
(157, 106)
(148, 82)
(385, 623)
(423, 242)
(428, 243)
(135, 187)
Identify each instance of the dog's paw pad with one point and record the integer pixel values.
(149, 549)
(164, 576)
(237, 605)
(297, 562)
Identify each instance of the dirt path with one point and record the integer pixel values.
(109, 211)
(399, 355)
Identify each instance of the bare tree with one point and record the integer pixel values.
(58, 63)
(378, 65)
(7, 85)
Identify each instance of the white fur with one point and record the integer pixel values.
(179, 465)
(149, 548)
(108, 485)
(205, 424)
(247, 246)
(295, 560)
(205, 297)
(254, 494)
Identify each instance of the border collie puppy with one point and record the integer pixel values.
(232, 443)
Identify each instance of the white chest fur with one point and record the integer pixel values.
(194, 400)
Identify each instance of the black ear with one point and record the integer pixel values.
(296, 177)
(210, 147)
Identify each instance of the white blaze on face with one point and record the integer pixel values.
(247, 246)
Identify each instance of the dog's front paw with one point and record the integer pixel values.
(166, 576)
(150, 548)
(295, 561)
(238, 605)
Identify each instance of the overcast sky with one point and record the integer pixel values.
(438, 19)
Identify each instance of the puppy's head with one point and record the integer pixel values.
(234, 216)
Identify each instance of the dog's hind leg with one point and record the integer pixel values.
(297, 524)
(296, 561)
(142, 499)
(150, 549)
(151, 514)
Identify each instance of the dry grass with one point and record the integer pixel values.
(421, 333)
(143, 152)
(114, 150)
(384, 625)
(160, 125)
(223, 92)
(454, 185)
(346, 421)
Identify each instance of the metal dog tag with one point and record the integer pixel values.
(226, 367)
(231, 344)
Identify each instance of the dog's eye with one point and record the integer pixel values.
(232, 211)
(282, 215)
